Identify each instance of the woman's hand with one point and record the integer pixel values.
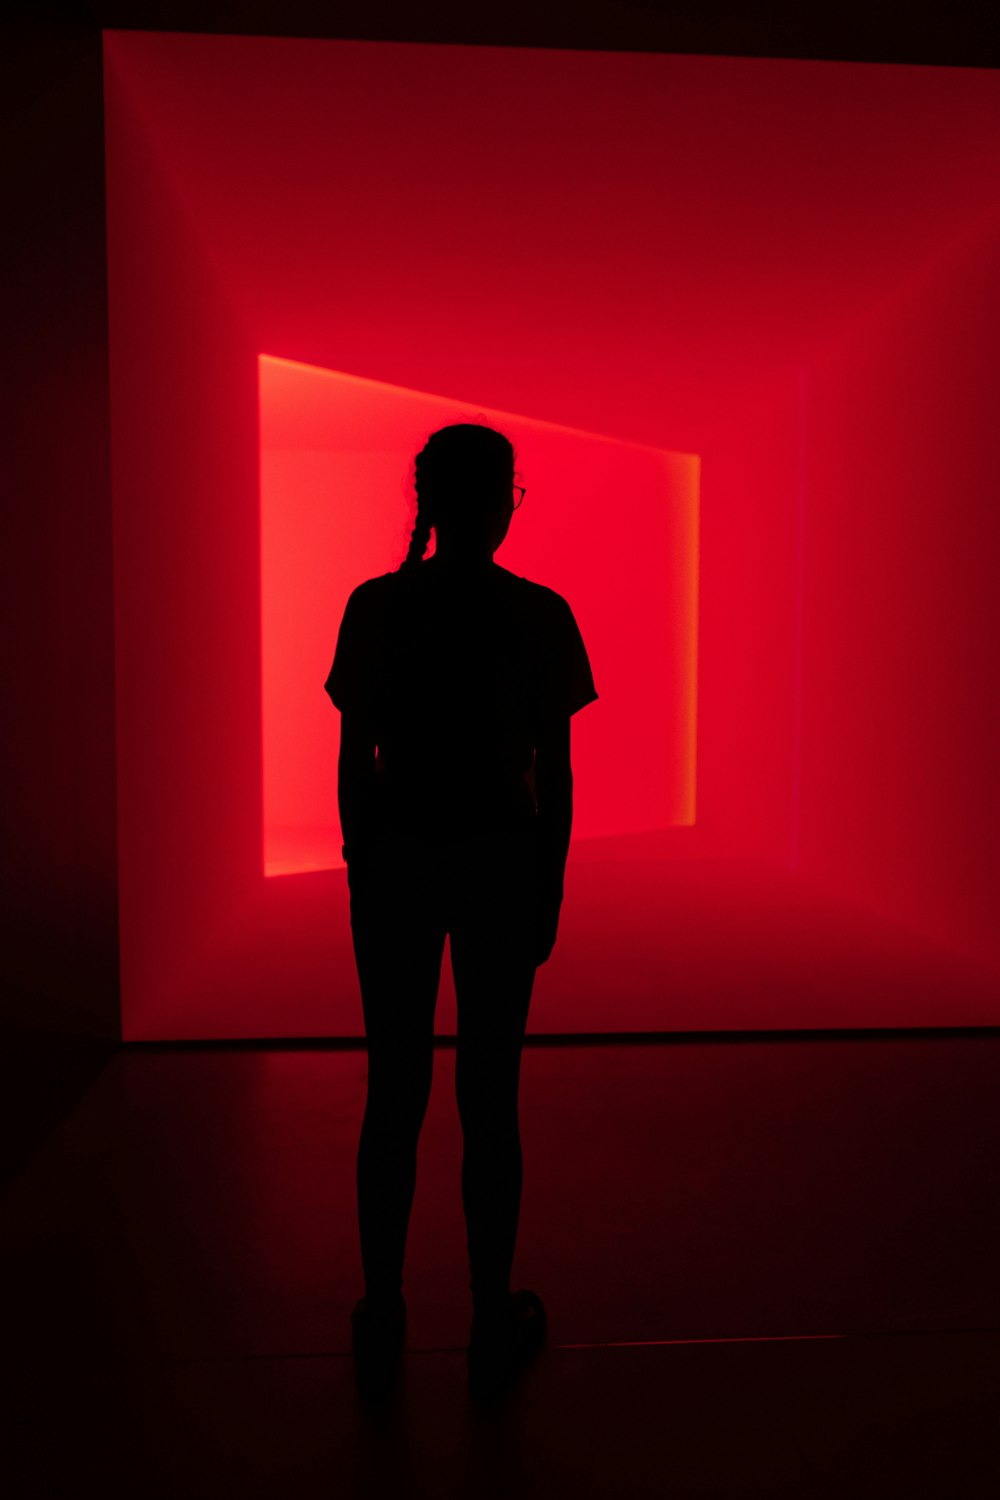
(357, 856)
(545, 928)
(554, 790)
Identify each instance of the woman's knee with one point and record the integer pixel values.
(487, 1112)
(398, 1089)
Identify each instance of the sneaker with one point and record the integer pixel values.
(499, 1346)
(376, 1340)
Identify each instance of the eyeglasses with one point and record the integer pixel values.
(519, 492)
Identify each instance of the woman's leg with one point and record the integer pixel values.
(491, 930)
(398, 932)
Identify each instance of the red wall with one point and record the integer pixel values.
(58, 868)
(900, 782)
(651, 248)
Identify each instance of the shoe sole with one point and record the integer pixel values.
(491, 1371)
(376, 1355)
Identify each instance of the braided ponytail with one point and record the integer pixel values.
(419, 537)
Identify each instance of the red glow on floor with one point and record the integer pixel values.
(763, 1338)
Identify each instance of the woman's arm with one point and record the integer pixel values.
(355, 778)
(554, 793)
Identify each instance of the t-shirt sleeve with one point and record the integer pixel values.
(349, 681)
(570, 681)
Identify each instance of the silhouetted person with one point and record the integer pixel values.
(456, 681)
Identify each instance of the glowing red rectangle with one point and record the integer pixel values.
(335, 453)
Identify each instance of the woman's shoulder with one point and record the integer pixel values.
(541, 603)
(372, 591)
(531, 590)
(380, 583)
(538, 602)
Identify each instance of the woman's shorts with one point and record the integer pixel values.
(482, 891)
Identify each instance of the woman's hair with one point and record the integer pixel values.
(452, 465)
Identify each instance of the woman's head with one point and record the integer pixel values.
(464, 478)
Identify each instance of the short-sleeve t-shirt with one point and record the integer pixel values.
(456, 670)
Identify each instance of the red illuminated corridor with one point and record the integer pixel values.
(739, 316)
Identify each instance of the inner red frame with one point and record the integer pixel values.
(335, 451)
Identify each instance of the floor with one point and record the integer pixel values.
(770, 1268)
